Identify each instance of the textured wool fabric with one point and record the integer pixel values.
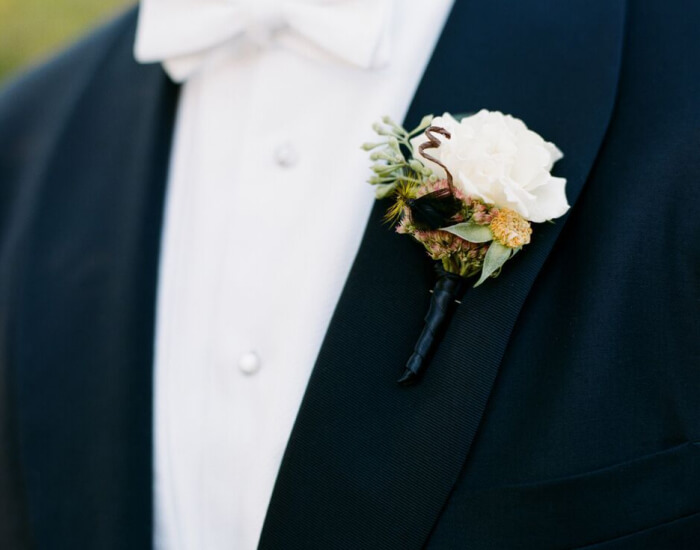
(560, 410)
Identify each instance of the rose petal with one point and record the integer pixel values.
(549, 202)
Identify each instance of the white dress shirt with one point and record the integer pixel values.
(265, 209)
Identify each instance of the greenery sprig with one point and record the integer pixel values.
(395, 167)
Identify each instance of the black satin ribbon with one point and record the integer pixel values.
(448, 288)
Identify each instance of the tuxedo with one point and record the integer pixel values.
(560, 409)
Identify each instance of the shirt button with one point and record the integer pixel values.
(286, 156)
(249, 363)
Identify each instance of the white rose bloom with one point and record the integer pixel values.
(494, 157)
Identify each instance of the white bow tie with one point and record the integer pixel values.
(187, 34)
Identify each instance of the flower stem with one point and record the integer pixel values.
(447, 289)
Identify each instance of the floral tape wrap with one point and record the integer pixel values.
(447, 290)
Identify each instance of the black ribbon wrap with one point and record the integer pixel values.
(448, 288)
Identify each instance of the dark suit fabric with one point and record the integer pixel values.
(561, 409)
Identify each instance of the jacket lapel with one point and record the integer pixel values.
(370, 464)
(85, 330)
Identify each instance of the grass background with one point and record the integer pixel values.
(31, 30)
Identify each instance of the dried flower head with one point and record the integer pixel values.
(482, 214)
(510, 228)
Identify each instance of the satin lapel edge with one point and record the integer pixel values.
(368, 465)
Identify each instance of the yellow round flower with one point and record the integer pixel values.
(510, 229)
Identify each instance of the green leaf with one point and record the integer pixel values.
(383, 190)
(471, 232)
(426, 121)
(496, 256)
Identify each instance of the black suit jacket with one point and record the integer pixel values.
(561, 409)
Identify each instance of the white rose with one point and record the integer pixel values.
(494, 157)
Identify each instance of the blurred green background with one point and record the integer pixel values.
(31, 30)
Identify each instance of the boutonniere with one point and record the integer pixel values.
(468, 191)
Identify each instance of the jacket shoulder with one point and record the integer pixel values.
(36, 91)
(36, 106)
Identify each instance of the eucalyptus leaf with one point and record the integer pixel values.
(426, 121)
(496, 256)
(471, 232)
(383, 190)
